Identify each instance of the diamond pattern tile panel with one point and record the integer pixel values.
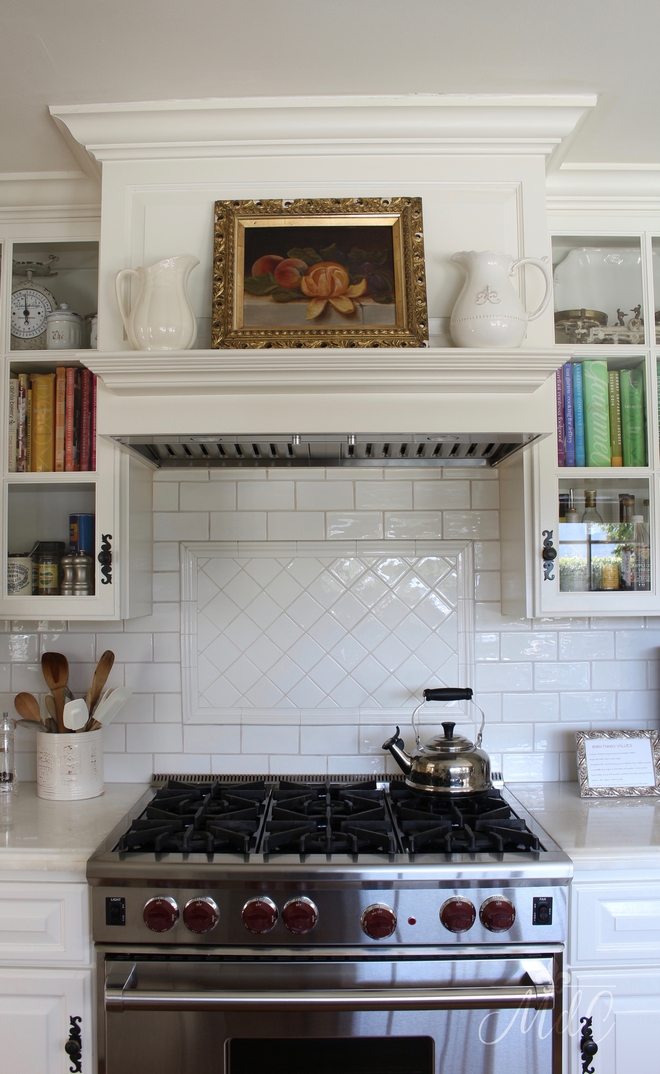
(306, 633)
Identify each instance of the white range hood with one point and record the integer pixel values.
(478, 163)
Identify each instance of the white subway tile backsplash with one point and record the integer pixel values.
(350, 634)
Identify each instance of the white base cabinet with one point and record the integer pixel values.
(624, 1005)
(36, 1006)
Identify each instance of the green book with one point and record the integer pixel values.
(616, 443)
(632, 417)
(595, 386)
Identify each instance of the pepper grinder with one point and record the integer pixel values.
(8, 780)
(83, 578)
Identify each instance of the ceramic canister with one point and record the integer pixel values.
(70, 766)
(19, 574)
(63, 329)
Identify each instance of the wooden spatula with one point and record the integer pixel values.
(55, 670)
(103, 669)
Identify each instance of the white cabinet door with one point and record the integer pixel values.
(35, 1011)
(625, 1009)
(44, 923)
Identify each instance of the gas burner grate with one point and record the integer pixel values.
(484, 822)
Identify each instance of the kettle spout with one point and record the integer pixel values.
(394, 745)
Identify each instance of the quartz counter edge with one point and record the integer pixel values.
(40, 839)
(596, 833)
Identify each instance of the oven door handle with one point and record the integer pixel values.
(496, 997)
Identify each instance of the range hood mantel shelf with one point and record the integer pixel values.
(336, 370)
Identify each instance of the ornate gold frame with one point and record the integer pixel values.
(403, 214)
(625, 791)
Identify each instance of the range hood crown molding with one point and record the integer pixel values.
(492, 124)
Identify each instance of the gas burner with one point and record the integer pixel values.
(484, 822)
(328, 818)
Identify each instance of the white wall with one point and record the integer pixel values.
(538, 681)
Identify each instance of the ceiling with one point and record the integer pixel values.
(92, 51)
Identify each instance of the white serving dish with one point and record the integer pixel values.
(603, 278)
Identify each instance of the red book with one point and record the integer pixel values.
(85, 418)
(60, 417)
(92, 429)
(69, 422)
(76, 419)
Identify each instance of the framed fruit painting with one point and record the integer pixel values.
(319, 272)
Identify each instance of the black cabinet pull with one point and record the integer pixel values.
(548, 555)
(588, 1046)
(73, 1046)
(105, 559)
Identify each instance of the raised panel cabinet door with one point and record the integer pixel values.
(36, 1007)
(624, 1007)
(616, 923)
(44, 923)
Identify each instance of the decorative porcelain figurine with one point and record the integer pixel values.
(161, 318)
(488, 312)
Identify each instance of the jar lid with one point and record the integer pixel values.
(63, 314)
(18, 555)
(43, 547)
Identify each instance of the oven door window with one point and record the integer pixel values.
(344, 1055)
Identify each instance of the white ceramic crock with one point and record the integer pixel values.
(70, 766)
(63, 329)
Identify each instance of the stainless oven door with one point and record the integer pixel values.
(335, 1012)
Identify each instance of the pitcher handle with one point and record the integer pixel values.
(119, 279)
(545, 269)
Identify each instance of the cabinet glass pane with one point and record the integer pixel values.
(601, 412)
(46, 276)
(42, 513)
(656, 287)
(598, 289)
(604, 535)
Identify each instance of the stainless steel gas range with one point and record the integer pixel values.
(273, 925)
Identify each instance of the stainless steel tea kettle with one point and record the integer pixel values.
(448, 765)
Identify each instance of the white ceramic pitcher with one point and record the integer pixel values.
(161, 318)
(488, 312)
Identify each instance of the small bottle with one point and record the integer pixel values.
(8, 780)
(571, 513)
(642, 554)
(590, 514)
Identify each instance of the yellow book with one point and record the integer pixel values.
(60, 413)
(43, 405)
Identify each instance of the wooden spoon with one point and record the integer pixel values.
(55, 670)
(103, 669)
(27, 706)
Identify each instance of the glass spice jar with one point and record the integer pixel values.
(46, 559)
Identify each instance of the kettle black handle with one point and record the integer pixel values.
(448, 693)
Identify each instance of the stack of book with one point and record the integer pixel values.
(52, 421)
(600, 415)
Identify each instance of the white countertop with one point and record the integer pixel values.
(37, 835)
(595, 832)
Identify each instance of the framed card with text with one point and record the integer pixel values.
(319, 272)
(618, 764)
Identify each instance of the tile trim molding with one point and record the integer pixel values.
(192, 551)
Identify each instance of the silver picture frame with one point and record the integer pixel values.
(588, 789)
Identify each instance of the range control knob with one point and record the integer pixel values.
(259, 915)
(378, 921)
(300, 915)
(458, 914)
(160, 914)
(201, 915)
(497, 914)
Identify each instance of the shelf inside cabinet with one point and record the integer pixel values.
(602, 402)
(599, 290)
(39, 511)
(45, 277)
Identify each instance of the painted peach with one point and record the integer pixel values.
(264, 265)
(290, 272)
(326, 282)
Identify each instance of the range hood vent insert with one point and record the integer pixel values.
(331, 449)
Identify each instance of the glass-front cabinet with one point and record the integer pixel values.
(595, 482)
(75, 542)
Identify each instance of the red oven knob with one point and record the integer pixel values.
(300, 915)
(378, 921)
(160, 914)
(201, 915)
(458, 914)
(497, 914)
(259, 915)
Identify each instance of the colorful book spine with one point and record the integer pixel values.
(68, 419)
(596, 412)
(616, 442)
(12, 423)
(559, 401)
(60, 417)
(43, 438)
(632, 417)
(76, 419)
(28, 429)
(85, 418)
(21, 428)
(569, 416)
(578, 410)
(92, 432)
